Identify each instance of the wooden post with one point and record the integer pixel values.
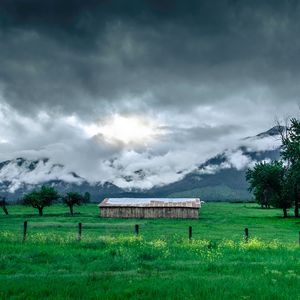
(136, 229)
(79, 231)
(24, 231)
(190, 232)
(246, 234)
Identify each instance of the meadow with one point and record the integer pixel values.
(111, 262)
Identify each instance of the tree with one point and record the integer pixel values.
(267, 182)
(41, 198)
(290, 137)
(73, 198)
(87, 197)
(3, 204)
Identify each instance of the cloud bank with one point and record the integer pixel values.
(205, 74)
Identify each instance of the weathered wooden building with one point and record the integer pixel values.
(177, 208)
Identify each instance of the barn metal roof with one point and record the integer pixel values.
(151, 202)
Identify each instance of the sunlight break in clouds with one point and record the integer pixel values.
(125, 129)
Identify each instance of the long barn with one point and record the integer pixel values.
(175, 208)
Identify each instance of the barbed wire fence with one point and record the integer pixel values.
(81, 230)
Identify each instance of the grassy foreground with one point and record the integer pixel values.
(110, 262)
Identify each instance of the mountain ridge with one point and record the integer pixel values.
(222, 177)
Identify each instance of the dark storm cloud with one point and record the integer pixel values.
(79, 56)
(203, 134)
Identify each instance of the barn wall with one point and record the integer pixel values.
(150, 212)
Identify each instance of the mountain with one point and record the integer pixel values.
(220, 178)
(225, 184)
(12, 185)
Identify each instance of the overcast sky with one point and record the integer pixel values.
(108, 88)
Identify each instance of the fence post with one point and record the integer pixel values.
(190, 232)
(246, 234)
(136, 229)
(24, 231)
(79, 231)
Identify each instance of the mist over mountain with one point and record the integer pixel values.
(144, 97)
(220, 178)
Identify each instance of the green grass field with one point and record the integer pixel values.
(110, 262)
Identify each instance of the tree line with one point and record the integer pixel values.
(277, 183)
(46, 196)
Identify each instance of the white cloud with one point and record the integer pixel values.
(262, 144)
(237, 159)
(175, 150)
